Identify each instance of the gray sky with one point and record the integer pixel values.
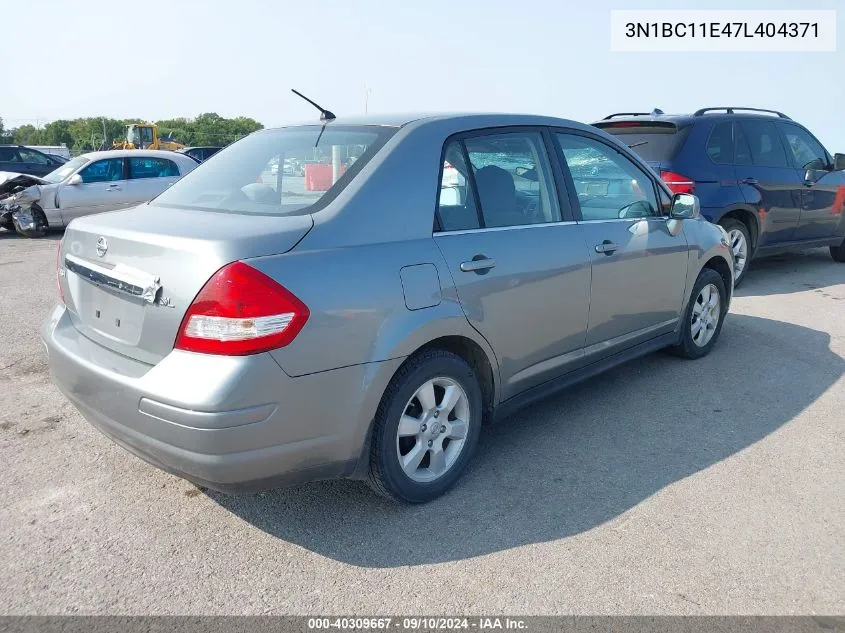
(161, 59)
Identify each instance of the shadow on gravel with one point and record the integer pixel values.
(813, 270)
(575, 461)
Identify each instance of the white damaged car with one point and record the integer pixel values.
(90, 183)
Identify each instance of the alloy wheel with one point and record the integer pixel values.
(706, 312)
(739, 247)
(433, 430)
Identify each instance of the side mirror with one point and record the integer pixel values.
(685, 206)
(839, 162)
(76, 179)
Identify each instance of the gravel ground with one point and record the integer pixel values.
(662, 487)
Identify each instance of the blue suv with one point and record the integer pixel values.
(763, 177)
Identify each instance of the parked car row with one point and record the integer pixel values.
(25, 160)
(253, 332)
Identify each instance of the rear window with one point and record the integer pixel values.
(246, 178)
(655, 142)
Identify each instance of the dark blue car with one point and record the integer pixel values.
(763, 177)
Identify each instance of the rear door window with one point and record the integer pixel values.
(720, 144)
(9, 154)
(513, 179)
(152, 168)
(764, 143)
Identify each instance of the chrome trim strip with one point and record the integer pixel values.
(505, 228)
(123, 279)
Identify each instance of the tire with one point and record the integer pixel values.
(421, 483)
(838, 252)
(688, 346)
(729, 224)
(36, 229)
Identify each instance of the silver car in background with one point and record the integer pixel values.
(90, 183)
(425, 275)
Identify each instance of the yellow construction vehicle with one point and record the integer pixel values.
(145, 136)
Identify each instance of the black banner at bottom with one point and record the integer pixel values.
(486, 624)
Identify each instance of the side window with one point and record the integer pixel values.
(28, 156)
(743, 150)
(151, 168)
(609, 185)
(456, 204)
(764, 143)
(107, 170)
(806, 151)
(8, 154)
(513, 178)
(665, 201)
(720, 145)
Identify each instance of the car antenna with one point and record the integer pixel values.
(325, 115)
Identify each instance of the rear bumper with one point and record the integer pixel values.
(228, 423)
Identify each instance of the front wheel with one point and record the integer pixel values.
(426, 428)
(704, 316)
(838, 252)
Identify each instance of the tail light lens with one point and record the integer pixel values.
(60, 272)
(241, 311)
(678, 183)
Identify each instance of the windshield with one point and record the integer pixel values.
(60, 174)
(652, 142)
(279, 172)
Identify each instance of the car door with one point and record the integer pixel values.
(519, 262)
(34, 162)
(767, 180)
(103, 188)
(822, 188)
(639, 268)
(149, 176)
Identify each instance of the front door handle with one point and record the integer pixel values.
(477, 264)
(748, 181)
(607, 247)
(113, 188)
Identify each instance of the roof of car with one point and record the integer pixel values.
(470, 118)
(688, 119)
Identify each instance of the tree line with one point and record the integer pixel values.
(94, 133)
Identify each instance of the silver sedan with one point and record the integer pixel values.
(423, 276)
(90, 183)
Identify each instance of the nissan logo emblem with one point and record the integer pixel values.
(102, 247)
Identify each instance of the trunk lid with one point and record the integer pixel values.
(130, 276)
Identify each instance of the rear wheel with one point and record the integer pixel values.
(426, 428)
(740, 240)
(703, 318)
(838, 252)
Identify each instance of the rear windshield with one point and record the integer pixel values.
(652, 143)
(293, 170)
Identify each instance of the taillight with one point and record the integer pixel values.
(678, 183)
(60, 272)
(240, 311)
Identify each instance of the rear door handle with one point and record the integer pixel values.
(478, 263)
(113, 188)
(748, 181)
(607, 247)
